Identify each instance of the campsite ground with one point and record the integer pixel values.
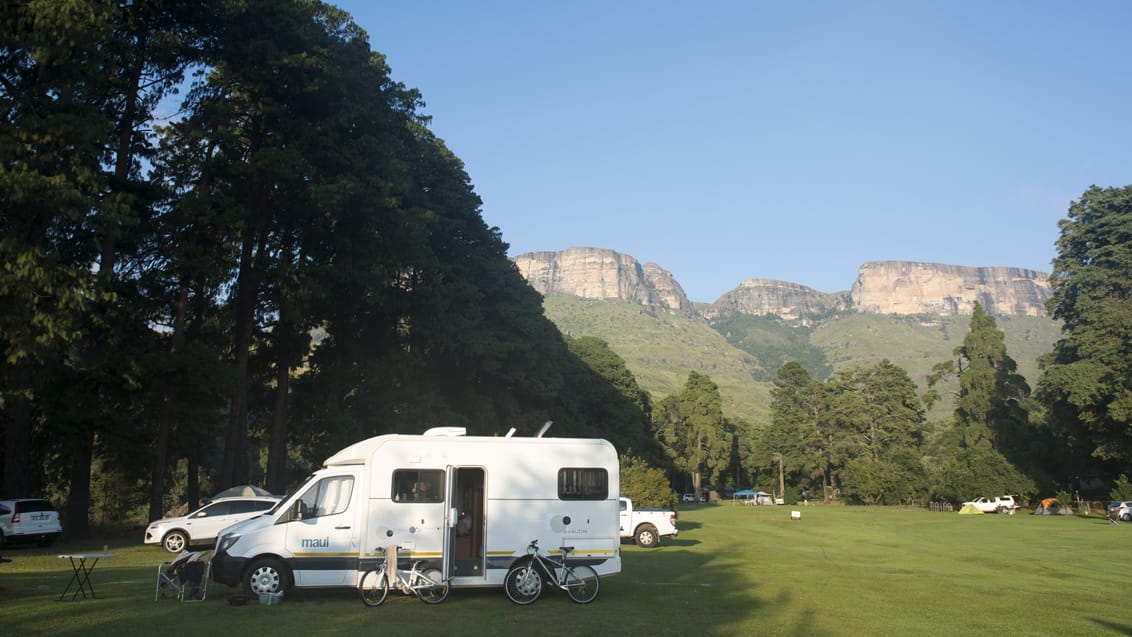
(733, 570)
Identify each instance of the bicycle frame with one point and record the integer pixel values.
(554, 570)
(523, 583)
(426, 584)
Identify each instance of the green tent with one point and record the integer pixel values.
(970, 509)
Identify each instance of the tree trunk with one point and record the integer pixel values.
(124, 156)
(17, 436)
(277, 445)
(285, 342)
(161, 443)
(160, 459)
(192, 486)
(235, 469)
(78, 500)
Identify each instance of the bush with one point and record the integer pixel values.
(1121, 489)
(645, 485)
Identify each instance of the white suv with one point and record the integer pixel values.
(1000, 504)
(28, 520)
(202, 525)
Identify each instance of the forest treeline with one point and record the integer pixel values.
(862, 435)
(230, 245)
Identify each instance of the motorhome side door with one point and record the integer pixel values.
(464, 555)
(323, 532)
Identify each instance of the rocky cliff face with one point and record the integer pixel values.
(596, 273)
(902, 287)
(762, 297)
(882, 287)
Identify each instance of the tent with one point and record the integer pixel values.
(1050, 506)
(244, 490)
(970, 509)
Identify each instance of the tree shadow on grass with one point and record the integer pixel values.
(692, 592)
(1123, 629)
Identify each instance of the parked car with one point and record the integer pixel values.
(646, 525)
(688, 497)
(998, 504)
(28, 520)
(201, 526)
(1122, 510)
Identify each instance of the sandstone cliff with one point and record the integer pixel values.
(763, 297)
(882, 287)
(597, 273)
(902, 287)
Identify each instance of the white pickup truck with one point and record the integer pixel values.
(646, 526)
(999, 504)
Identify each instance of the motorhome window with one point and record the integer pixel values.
(583, 484)
(329, 497)
(418, 486)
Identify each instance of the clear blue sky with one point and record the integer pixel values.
(782, 140)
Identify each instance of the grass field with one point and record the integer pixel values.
(858, 571)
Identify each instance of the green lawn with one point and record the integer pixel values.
(858, 571)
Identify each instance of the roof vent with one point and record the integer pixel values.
(447, 431)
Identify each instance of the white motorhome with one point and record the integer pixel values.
(469, 505)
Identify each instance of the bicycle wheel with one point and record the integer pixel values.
(523, 583)
(431, 587)
(374, 587)
(581, 583)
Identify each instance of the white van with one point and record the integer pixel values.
(469, 505)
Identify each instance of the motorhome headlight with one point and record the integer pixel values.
(226, 541)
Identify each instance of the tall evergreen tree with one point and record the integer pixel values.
(1087, 380)
(690, 427)
(798, 409)
(990, 405)
(879, 421)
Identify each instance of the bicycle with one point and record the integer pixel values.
(524, 579)
(426, 583)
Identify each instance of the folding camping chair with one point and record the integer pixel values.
(185, 578)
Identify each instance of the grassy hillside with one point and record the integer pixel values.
(660, 349)
(773, 343)
(918, 342)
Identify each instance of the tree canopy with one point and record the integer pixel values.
(289, 263)
(1087, 379)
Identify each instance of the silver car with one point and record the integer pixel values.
(1122, 510)
(201, 526)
